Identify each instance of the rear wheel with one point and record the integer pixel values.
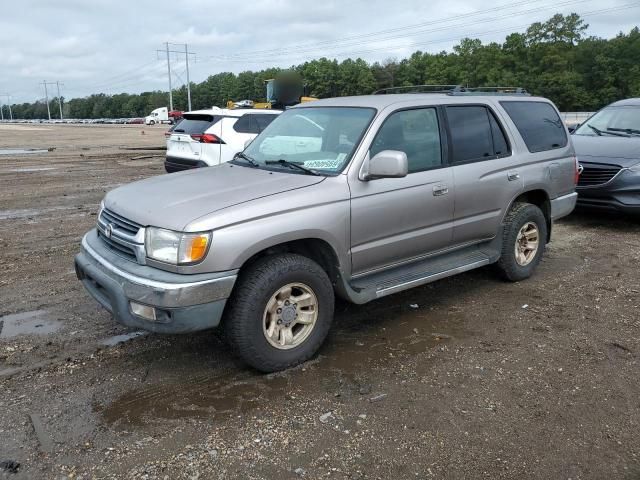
(523, 241)
(280, 312)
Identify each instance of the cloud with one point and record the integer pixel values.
(110, 46)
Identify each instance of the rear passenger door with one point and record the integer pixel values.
(485, 174)
(394, 220)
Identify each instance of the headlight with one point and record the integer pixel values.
(175, 247)
(635, 168)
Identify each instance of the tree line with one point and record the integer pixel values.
(555, 59)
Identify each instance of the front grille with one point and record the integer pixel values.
(597, 174)
(123, 239)
(119, 222)
(122, 250)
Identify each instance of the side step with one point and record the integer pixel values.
(403, 277)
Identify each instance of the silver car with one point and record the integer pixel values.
(359, 197)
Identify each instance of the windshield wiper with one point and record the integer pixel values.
(630, 131)
(282, 161)
(600, 132)
(246, 157)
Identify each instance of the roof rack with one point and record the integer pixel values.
(454, 90)
(491, 91)
(418, 89)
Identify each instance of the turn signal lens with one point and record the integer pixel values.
(193, 247)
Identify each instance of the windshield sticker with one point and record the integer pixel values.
(325, 164)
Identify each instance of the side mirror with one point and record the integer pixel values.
(386, 164)
(573, 128)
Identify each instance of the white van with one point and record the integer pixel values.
(210, 137)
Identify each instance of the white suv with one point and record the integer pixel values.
(211, 137)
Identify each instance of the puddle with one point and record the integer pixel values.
(360, 344)
(125, 337)
(30, 212)
(21, 151)
(30, 169)
(37, 322)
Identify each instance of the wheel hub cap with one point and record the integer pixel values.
(290, 316)
(527, 243)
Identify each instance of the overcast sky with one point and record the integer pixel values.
(110, 45)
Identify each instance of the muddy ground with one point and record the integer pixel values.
(469, 377)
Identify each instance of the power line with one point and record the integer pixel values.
(448, 39)
(334, 44)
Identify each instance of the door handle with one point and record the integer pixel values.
(513, 175)
(439, 190)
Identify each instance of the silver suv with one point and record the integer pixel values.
(358, 197)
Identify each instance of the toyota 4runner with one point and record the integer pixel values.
(359, 197)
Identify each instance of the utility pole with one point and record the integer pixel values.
(46, 96)
(186, 53)
(169, 74)
(59, 100)
(186, 60)
(9, 104)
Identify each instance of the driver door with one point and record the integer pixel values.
(394, 220)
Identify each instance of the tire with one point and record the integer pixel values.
(247, 319)
(520, 218)
(151, 122)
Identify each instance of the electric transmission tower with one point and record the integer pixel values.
(8, 104)
(46, 96)
(186, 54)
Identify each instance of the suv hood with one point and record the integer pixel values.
(622, 151)
(173, 201)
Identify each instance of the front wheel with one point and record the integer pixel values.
(280, 312)
(523, 241)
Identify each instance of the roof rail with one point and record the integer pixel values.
(491, 91)
(454, 90)
(418, 89)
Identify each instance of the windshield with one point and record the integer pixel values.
(320, 139)
(623, 121)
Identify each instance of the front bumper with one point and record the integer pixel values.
(621, 194)
(184, 303)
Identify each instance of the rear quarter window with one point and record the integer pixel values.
(538, 123)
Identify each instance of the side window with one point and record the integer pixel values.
(263, 120)
(471, 136)
(246, 124)
(414, 132)
(538, 123)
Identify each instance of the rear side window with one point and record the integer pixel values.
(475, 134)
(538, 123)
(196, 124)
(247, 124)
(264, 119)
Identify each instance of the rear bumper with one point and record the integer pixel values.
(175, 164)
(563, 206)
(183, 303)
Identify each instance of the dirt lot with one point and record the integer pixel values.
(469, 377)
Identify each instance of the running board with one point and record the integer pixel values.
(429, 270)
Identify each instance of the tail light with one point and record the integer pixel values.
(578, 170)
(206, 138)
